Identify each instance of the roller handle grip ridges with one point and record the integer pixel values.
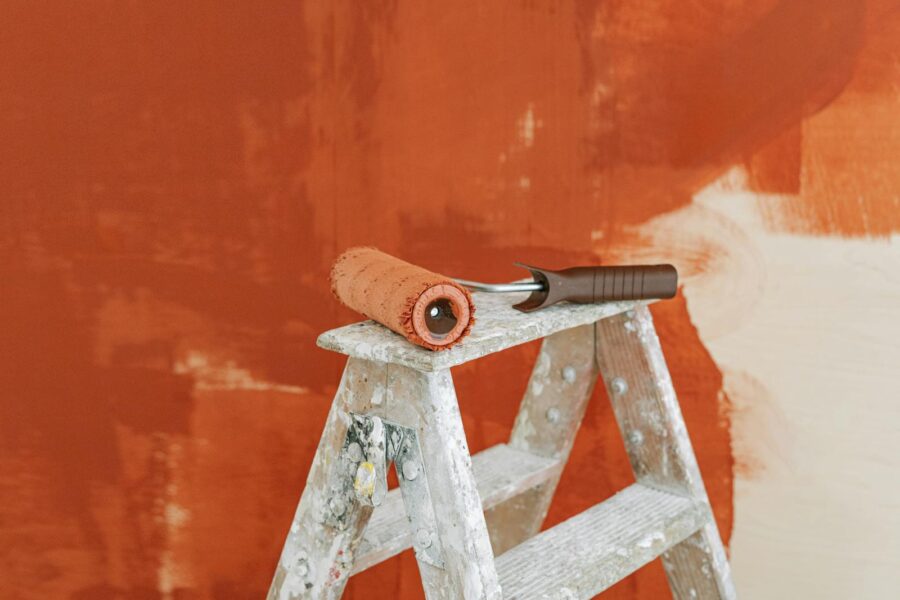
(585, 285)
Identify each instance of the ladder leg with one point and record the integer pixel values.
(329, 522)
(549, 417)
(427, 402)
(646, 408)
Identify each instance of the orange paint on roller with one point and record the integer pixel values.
(428, 309)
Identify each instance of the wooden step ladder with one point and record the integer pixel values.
(473, 521)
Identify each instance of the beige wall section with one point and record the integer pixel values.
(805, 330)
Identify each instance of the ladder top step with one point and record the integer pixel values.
(498, 326)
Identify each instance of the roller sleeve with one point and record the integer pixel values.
(426, 308)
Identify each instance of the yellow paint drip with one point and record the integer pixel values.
(364, 484)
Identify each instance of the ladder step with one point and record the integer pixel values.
(497, 326)
(501, 473)
(591, 551)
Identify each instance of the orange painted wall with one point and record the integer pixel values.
(177, 178)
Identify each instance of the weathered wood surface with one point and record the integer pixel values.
(427, 402)
(666, 513)
(558, 391)
(501, 473)
(594, 549)
(640, 388)
(329, 522)
(497, 326)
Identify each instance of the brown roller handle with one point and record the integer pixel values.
(586, 285)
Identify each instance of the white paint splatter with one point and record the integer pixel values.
(648, 540)
(170, 574)
(226, 375)
(527, 125)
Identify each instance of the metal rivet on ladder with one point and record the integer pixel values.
(354, 452)
(423, 538)
(553, 415)
(619, 386)
(302, 569)
(569, 374)
(338, 506)
(410, 469)
(635, 437)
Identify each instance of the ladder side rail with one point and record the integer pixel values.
(549, 417)
(427, 402)
(329, 522)
(646, 408)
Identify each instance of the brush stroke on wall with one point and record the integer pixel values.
(177, 179)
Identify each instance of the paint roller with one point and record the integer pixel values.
(437, 312)
(426, 308)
